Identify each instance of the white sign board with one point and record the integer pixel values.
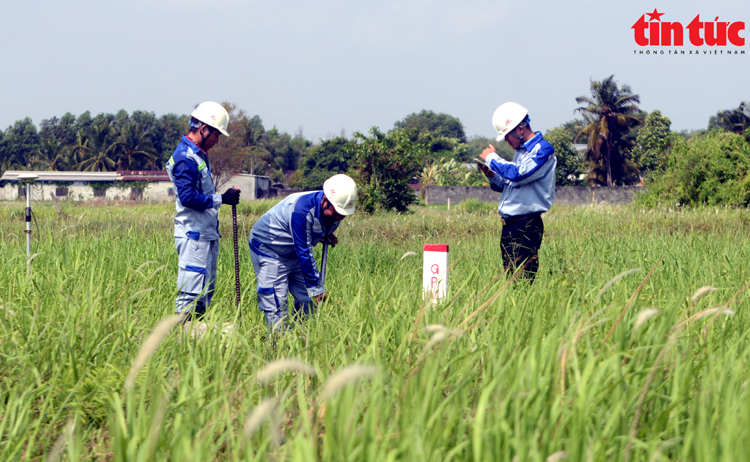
(435, 272)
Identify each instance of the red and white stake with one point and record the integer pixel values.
(435, 272)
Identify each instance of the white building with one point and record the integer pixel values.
(120, 185)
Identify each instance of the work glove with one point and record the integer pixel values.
(231, 197)
(332, 240)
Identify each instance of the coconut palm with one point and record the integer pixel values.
(97, 148)
(51, 155)
(136, 149)
(609, 115)
(734, 120)
(79, 149)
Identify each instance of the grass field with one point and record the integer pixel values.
(582, 366)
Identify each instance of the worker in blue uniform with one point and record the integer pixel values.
(281, 247)
(527, 184)
(196, 223)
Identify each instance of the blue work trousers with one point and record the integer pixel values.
(196, 276)
(276, 278)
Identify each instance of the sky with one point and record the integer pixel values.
(328, 67)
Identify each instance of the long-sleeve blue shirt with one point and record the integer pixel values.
(528, 182)
(197, 203)
(290, 230)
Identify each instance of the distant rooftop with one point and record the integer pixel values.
(122, 175)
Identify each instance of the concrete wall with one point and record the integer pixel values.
(583, 195)
(255, 187)
(564, 195)
(439, 195)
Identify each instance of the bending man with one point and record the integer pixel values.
(196, 224)
(281, 247)
(527, 185)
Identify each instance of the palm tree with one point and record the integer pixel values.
(79, 149)
(734, 120)
(609, 115)
(136, 148)
(51, 155)
(97, 149)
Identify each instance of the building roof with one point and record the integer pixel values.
(142, 175)
(12, 175)
(120, 175)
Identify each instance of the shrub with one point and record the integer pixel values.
(384, 165)
(710, 169)
(475, 206)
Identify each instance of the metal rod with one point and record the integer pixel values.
(236, 257)
(28, 229)
(324, 264)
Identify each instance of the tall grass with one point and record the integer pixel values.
(559, 369)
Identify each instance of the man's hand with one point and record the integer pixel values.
(486, 170)
(487, 151)
(231, 196)
(332, 239)
(320, 298)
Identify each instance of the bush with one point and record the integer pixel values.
(569, 162)
(452, 173)
(384, 165)
(710, 169)
(653, 142)
(475, 206)
(322, 162)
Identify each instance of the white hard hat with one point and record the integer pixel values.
(341, 192)
(212, 114)
(507, 117)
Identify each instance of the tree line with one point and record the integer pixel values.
(613, 142)
(141, 141)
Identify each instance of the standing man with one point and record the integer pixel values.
(281, 247)
(196, 224)
(527, 185)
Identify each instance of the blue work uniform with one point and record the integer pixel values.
(528, 190)
(281, 248)
(196, 226)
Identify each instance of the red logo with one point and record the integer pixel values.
(656, 32)
(507, 122)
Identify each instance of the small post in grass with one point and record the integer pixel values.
(28, 178)
(435, 271)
